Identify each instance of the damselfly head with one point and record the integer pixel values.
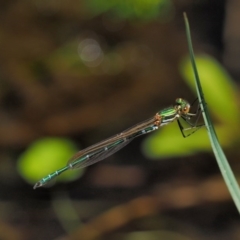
(183, 106)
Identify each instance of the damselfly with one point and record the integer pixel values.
(105, 148)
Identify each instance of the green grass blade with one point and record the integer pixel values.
(218, 152)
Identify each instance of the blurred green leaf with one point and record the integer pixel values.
(45, 156)
(132, 9)
(66, 58)
(218, 87)
(169, 142)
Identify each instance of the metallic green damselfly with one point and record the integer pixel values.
(105, 148)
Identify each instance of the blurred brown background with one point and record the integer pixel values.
(69, 70)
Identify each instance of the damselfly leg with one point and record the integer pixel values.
(188, 119)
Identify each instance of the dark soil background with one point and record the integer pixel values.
(50, 85)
